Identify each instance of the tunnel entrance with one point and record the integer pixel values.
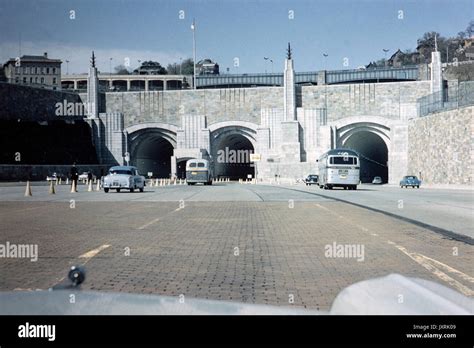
(373, 155)
(181, 168)
(153, 154)
(231, 155)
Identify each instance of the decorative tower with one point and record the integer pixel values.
(92, 90)
(289, 92)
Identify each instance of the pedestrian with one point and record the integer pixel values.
(89, 176)
(74, 175)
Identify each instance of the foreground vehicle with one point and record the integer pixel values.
(410, 180)
(339, 168)
(123, 177)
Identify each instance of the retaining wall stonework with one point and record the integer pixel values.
(441, 147)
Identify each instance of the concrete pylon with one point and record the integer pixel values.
(89, 188)
(67, 181)
(28, 189)
(98, 186)
(60, 181)
(73, 187)
(52, 191)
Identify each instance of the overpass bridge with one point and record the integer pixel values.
(122, 83)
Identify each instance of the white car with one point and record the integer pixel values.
(377, 180)
(123, 177)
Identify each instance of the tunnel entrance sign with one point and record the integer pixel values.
(255, 157)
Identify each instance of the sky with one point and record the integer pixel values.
(351, 32)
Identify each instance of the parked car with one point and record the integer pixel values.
(377, 180)
(55, 177)
(85, 176)
(410, 180)
(311, 179)
(123, 177)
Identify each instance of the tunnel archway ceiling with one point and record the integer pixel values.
(231, 154)
(153, 154)
(374, 154)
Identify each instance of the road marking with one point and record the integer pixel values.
(178, 209)
(365, 229)
(94, 252)
(451, 269)
(425, 262)
(148, 224)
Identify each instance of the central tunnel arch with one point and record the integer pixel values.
(151, 148)
(372, 141)
(373, 155)
(231, 146)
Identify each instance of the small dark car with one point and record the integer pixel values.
(311, 179)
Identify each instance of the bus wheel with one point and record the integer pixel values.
(118, 190)
(354, 187)
(106, 189)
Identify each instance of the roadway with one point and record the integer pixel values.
(246, 243)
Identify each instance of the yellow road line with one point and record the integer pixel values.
(425, 262)
(94, 252)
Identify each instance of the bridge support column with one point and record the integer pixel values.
(75, 84)
(128, 85)
(165, 85)
(146, 85)
(111, 84)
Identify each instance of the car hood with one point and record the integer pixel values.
(374, 296)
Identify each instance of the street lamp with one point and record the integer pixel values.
(385, 50)
(271, 60)
(180, 65)
(325, 60)
(193, 28)
(67, 67)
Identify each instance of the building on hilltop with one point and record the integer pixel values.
(34, 71)
(207, 67)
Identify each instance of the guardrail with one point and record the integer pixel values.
(448, 99)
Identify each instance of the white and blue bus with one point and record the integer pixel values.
(198, 171)
(339, 168)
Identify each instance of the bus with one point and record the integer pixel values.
(339, 168)
(198, 171)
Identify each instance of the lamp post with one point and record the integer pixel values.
(271, 60)
(193, 28)
(385, 50)
(67, 67)
(180, 65)
(325, 55)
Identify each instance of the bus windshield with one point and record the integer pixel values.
(342, 160)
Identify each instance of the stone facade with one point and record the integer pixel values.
(441, 147)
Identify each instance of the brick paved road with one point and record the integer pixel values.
(281, 238)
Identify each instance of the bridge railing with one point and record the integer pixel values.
(386, 73)
(451, 98)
